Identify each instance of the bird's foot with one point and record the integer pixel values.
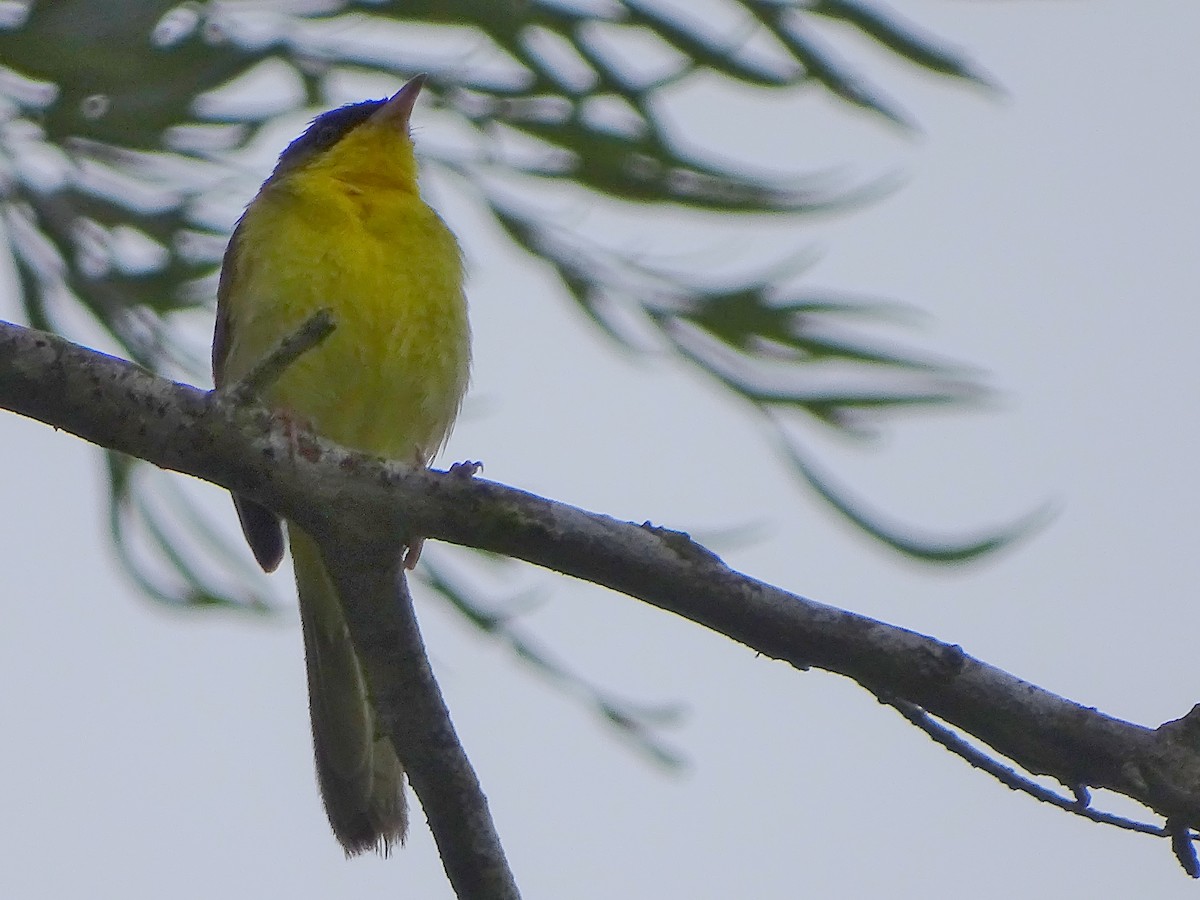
(465, 469)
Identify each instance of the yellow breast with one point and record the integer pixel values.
(354, 236)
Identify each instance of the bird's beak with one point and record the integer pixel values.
(398, 109)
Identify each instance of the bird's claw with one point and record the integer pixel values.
(465, 469)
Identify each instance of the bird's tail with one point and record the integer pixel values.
(361, 779)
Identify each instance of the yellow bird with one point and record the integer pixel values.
(341, 224)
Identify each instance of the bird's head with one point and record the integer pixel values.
(364, 143)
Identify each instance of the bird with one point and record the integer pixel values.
(340, 224)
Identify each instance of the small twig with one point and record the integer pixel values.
(1008, 776)
(268, 369)
(1182, 844)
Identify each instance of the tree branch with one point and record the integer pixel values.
(268, 369)
(119, 405)
(1010, 778)
(331, 491)
(383, 626)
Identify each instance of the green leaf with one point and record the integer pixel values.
(901, 38)
(904, 539)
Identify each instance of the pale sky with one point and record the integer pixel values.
(1050, 235)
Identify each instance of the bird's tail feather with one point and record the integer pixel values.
(361, 779)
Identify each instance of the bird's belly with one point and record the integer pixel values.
(386, 387)
(390, 378)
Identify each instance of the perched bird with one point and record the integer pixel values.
(340, 224)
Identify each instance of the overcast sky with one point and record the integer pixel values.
(1050, 233)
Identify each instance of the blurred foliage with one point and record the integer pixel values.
(638, 723)
(120, 122)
